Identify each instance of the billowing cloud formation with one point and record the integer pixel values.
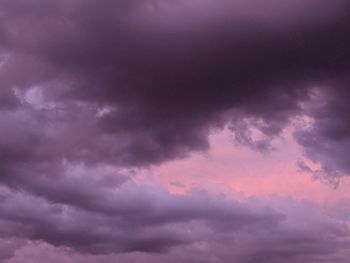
(129, 218)
(161, 75)
(89, 86)
(125, 218)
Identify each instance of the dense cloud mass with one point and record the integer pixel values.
(90, 86)
(155, 77)
(125, 219)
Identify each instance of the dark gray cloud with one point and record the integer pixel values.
(169, 74)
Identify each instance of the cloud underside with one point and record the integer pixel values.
(89, 85)
(120, 219)
(147, 81)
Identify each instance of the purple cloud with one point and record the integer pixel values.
(146, 219)
(89, 87)
(156, 77)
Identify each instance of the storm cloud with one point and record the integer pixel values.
(160, 76)
(89, 88)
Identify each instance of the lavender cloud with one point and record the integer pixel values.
(160, 226)
(128, 217)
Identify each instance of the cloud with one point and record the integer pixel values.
(125, 217)
(146, 223)
(166, 79)
(328, 139)
(87, 87)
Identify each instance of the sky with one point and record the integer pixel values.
(209, 131)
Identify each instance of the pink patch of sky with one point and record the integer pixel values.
(237, 170)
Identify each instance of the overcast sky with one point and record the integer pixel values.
(174, 131)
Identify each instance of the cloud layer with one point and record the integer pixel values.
(88, 88)
(154, 78)
(161, 75)
(125, 219)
